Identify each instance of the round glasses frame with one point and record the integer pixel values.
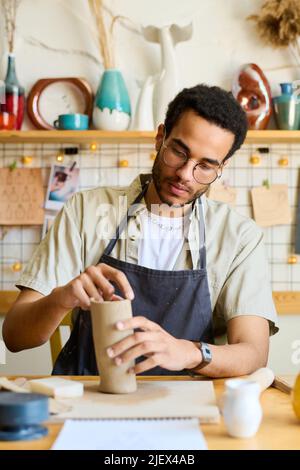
(217, 171)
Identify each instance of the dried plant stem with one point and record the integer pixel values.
(278, 24)
(93, 28)
(9, 8)
(37, 43)
(297, 47)
(295, 53)
(104, 38)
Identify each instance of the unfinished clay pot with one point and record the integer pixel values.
(105, 315)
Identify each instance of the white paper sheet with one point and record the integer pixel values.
(170, 434)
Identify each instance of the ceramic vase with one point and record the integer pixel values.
(105, 315)
(287, 108)
(251, 89)
(13, 99)
(167, 84)
(112, 110)
(242, 411)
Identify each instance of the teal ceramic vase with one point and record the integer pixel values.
(287, 108)
(112, 110)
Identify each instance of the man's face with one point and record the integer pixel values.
(198, 139)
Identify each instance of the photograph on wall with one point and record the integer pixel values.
(63, 183)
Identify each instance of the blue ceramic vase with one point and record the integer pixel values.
(287, 108)
(112, 110)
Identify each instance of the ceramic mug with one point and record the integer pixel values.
(78, 122)
(7, 121)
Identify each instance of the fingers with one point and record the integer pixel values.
(148, 364)
(80, 297)
(132, 340)
(95, 283)
(116, 297)
(97, 277)
(90, 288)
(138, 322)
(119, 278)
(143, 349)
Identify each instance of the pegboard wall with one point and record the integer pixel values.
(103, 167)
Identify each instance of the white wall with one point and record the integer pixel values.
(222, 41)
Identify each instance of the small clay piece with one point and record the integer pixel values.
(105, 315)
(251, 89)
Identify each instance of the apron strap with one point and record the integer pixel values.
(128, 215)
(202, 249)
(124, 221)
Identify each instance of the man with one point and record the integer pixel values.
(184, 289)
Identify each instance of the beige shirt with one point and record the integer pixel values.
(236, 262)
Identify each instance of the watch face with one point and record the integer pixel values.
(60, 98)
(207, 356)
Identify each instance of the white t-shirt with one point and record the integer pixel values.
(162, 240)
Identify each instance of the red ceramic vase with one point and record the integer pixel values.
(7, 121)
(14, 94)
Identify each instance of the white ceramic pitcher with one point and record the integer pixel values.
(242, 411)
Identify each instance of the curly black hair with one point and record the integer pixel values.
(213, 104)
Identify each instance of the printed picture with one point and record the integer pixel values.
(63, 183)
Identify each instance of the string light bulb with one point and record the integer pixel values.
(255, 159)
(17, 267)
(123, 163)
(27, 159)
(292, 259)
(93, 147)
(152, 156)
(283, 161)
(60, 157)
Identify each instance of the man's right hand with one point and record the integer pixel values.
(95, 283)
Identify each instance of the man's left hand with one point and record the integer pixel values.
(160, 348)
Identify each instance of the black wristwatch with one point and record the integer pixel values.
(206, 358)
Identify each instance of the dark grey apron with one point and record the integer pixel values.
(179, 301)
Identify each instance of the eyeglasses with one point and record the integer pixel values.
(203, 172)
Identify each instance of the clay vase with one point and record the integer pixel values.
(105, 315)
(287, 108)
(252, 90)
(168, 82)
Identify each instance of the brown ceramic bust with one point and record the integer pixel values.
(251, 89)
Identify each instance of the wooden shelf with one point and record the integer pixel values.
(77, 137)
(143, 137)
(273, 136)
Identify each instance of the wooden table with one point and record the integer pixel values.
(280, 428)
